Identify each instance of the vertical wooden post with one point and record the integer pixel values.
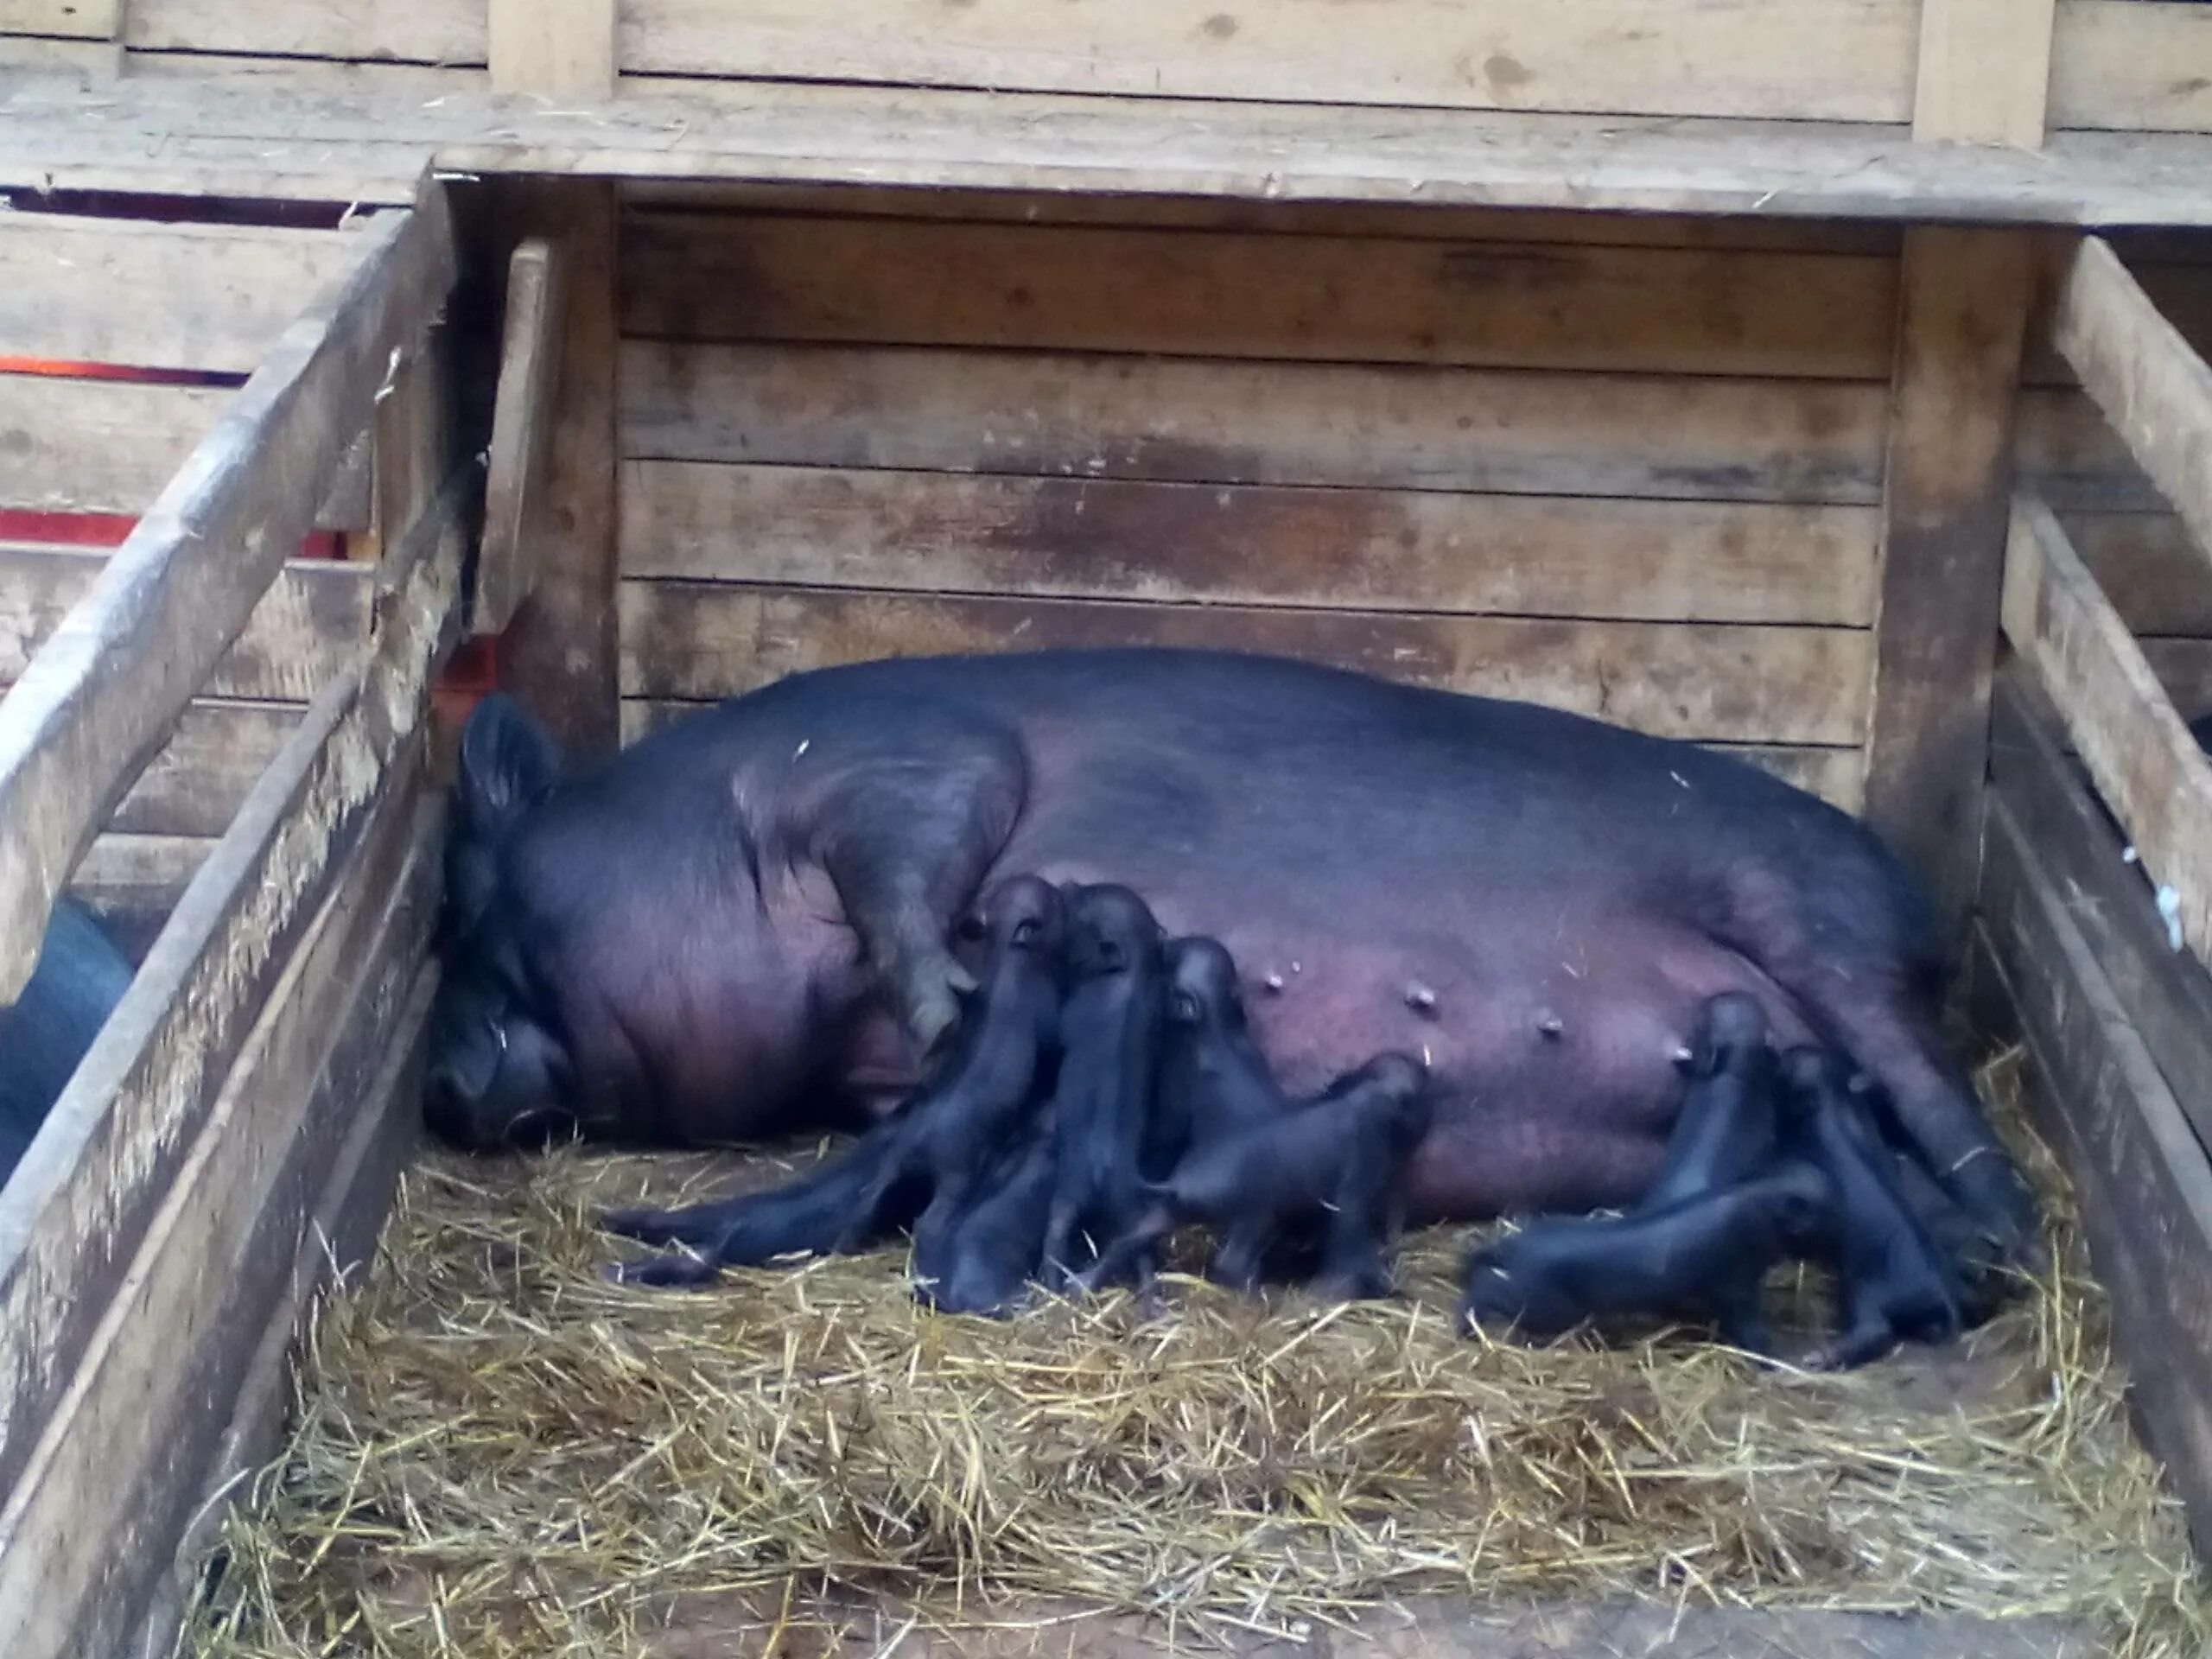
(1964, 296)
(558, 656)
(564, 49)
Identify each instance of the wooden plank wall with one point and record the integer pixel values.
(197, 304)
(2116, 64)
(1630, 467)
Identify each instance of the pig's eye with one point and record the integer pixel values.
(1025, 931)
(1110, 955)
(971, 927)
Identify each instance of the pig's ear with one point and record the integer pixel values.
(508, 764)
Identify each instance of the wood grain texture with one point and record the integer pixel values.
(297, 128)
(1084, 416)
(403, 31)
(299, 635)
(2156, 390)
(1192, 293)
(2154, 573)
(158, 295)
(1387, 549)
(1966, 296)
(1822, 59)
(563, 49)
(94, 704)
(80, 1202)
(1748, 684)
(109, 446)
(560, 653)
(2168, 996)
(2133, 65)
(2140, 1172)
(525, 414)
(2146, 764)
(138, 880)
(204, 772)
(1983, 74)
(2180, 290)
(123, 1456)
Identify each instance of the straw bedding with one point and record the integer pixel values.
(498, 1454)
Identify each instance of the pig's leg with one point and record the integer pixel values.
(1864, 1343)
(906, 840)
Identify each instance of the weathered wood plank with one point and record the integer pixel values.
(137, 876)
(1394, 550)
(2145, 1188)
(1826, 59)
(2133, 65)
(203, 774)
(563, 49)
(300, 633)
(405, 31)
(91, 20)
(1749, 684)
(1417, 219)
(2146, 764)
(2154, 575)
(1983, 74)
(2154, 390)
(2183, 669)
(79, 1204)
(1192, 293)
(2168, 996)
(1947, 478)
(1695, 437)
(560, 653)
(522, 419)
(109, 446)
(158, 295)
(122, 1456)
(93, 704)
(2181, 290)
(2065, 450)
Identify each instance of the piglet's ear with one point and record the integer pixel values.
(508, 764)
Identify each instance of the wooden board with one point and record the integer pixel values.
(123, 1457)
(1413, 217)
(1751, 684)
(204, 774)
(2184, 670)
(1983, 73)
(560, 654)
(2181, 290)
(298, 636)
(2144, 1189)
(109, 446)
(1816, 60)
(157, 294)
(410, 31)
(80, 1202)
(2168, 995)
(93, 706)
(2155, 390)
(138, 877)
(699, 277)
(1078, 415)
(525, 414)
(1944, 517)
(92, 20)
(1391, 549)
(2155, 576)
(2146, 764)
(563, 49)
(2131, 65)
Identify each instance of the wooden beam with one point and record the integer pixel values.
(90, 20)
(2154, 389)
(560, 654)
(1984, 74)
(523, 421)
(81, 1202)
(564, 49)
(2146, 764)
(1965, 296)
(1983, 77)
(100, 696)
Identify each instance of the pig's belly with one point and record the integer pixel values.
(1551, 1024)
